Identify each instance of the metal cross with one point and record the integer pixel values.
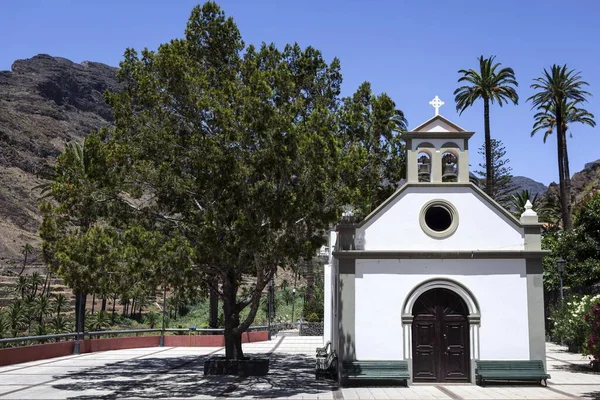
(437, 103)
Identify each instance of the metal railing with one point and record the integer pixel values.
(42, 337)
(83, 335)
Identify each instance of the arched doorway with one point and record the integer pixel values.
(440, 337)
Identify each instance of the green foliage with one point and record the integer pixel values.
(502, 185)
(98, 321)
(42, 308)
(151, 319)
(546, 212)
(570, 326)
(580, 247)
(374, 153)
(60, 324)
(238, 149)
(60, 303)
(5, 324)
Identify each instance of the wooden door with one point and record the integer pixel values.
(440, 338)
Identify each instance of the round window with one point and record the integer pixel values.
(439, 218)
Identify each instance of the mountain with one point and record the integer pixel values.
(44, 102)
(586, 181)
(524, 183)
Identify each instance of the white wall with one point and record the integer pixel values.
(438, 126)
(328, 300)
(480, 227)
(499, 286)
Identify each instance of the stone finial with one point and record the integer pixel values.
(529, 216)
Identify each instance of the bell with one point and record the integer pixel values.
(449, 170)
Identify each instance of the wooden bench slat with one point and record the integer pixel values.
(511, 370)
(374, 370)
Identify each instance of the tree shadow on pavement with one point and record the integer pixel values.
(156, 378)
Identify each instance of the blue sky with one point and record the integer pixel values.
(410, 50)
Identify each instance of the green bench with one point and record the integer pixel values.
(375, 371)
(506, 370)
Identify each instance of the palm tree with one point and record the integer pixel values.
(151, 319)
(35, 281)
(60, 303)
(22, 286)
(60, 324)
(17, 316)
(42, 308)
(557, 90)
(545, 211)
(99, 321)
(26, 250)
(490, 84)
(4, 325)
(29, 307)
(41, 330)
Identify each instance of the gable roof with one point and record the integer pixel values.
(475, 189)
(438, 118)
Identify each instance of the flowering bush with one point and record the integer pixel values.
(592, 348)
(570, 325)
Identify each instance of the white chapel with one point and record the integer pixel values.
(439, 275)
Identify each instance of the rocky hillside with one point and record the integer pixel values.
(44, 102)
(524, 183)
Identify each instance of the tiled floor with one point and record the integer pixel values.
(176, 372)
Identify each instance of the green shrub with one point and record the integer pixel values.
(570, 326)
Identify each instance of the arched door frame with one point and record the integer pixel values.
(472, 306)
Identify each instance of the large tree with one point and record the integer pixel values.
(560, 93)
(371, 129)
(491, 84)
(502, 185)
(235, 146)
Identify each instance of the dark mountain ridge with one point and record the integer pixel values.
(44, 103)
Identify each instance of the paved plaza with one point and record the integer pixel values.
(176, 372)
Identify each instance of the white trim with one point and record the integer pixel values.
(443, 283)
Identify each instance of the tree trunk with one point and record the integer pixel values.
(567, 174)
(24, 264)
(93, 302)
(114, 306)
(103, 303)
(565, 195)
(489, 171)
(46, 284)
(233, 335)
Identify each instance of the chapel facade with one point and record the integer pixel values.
(439, 275)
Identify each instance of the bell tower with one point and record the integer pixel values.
(437, 150)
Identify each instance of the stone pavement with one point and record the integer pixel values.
(176, 372)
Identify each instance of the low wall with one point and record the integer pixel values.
(36, 352)
(119, 343)
(311, 329)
